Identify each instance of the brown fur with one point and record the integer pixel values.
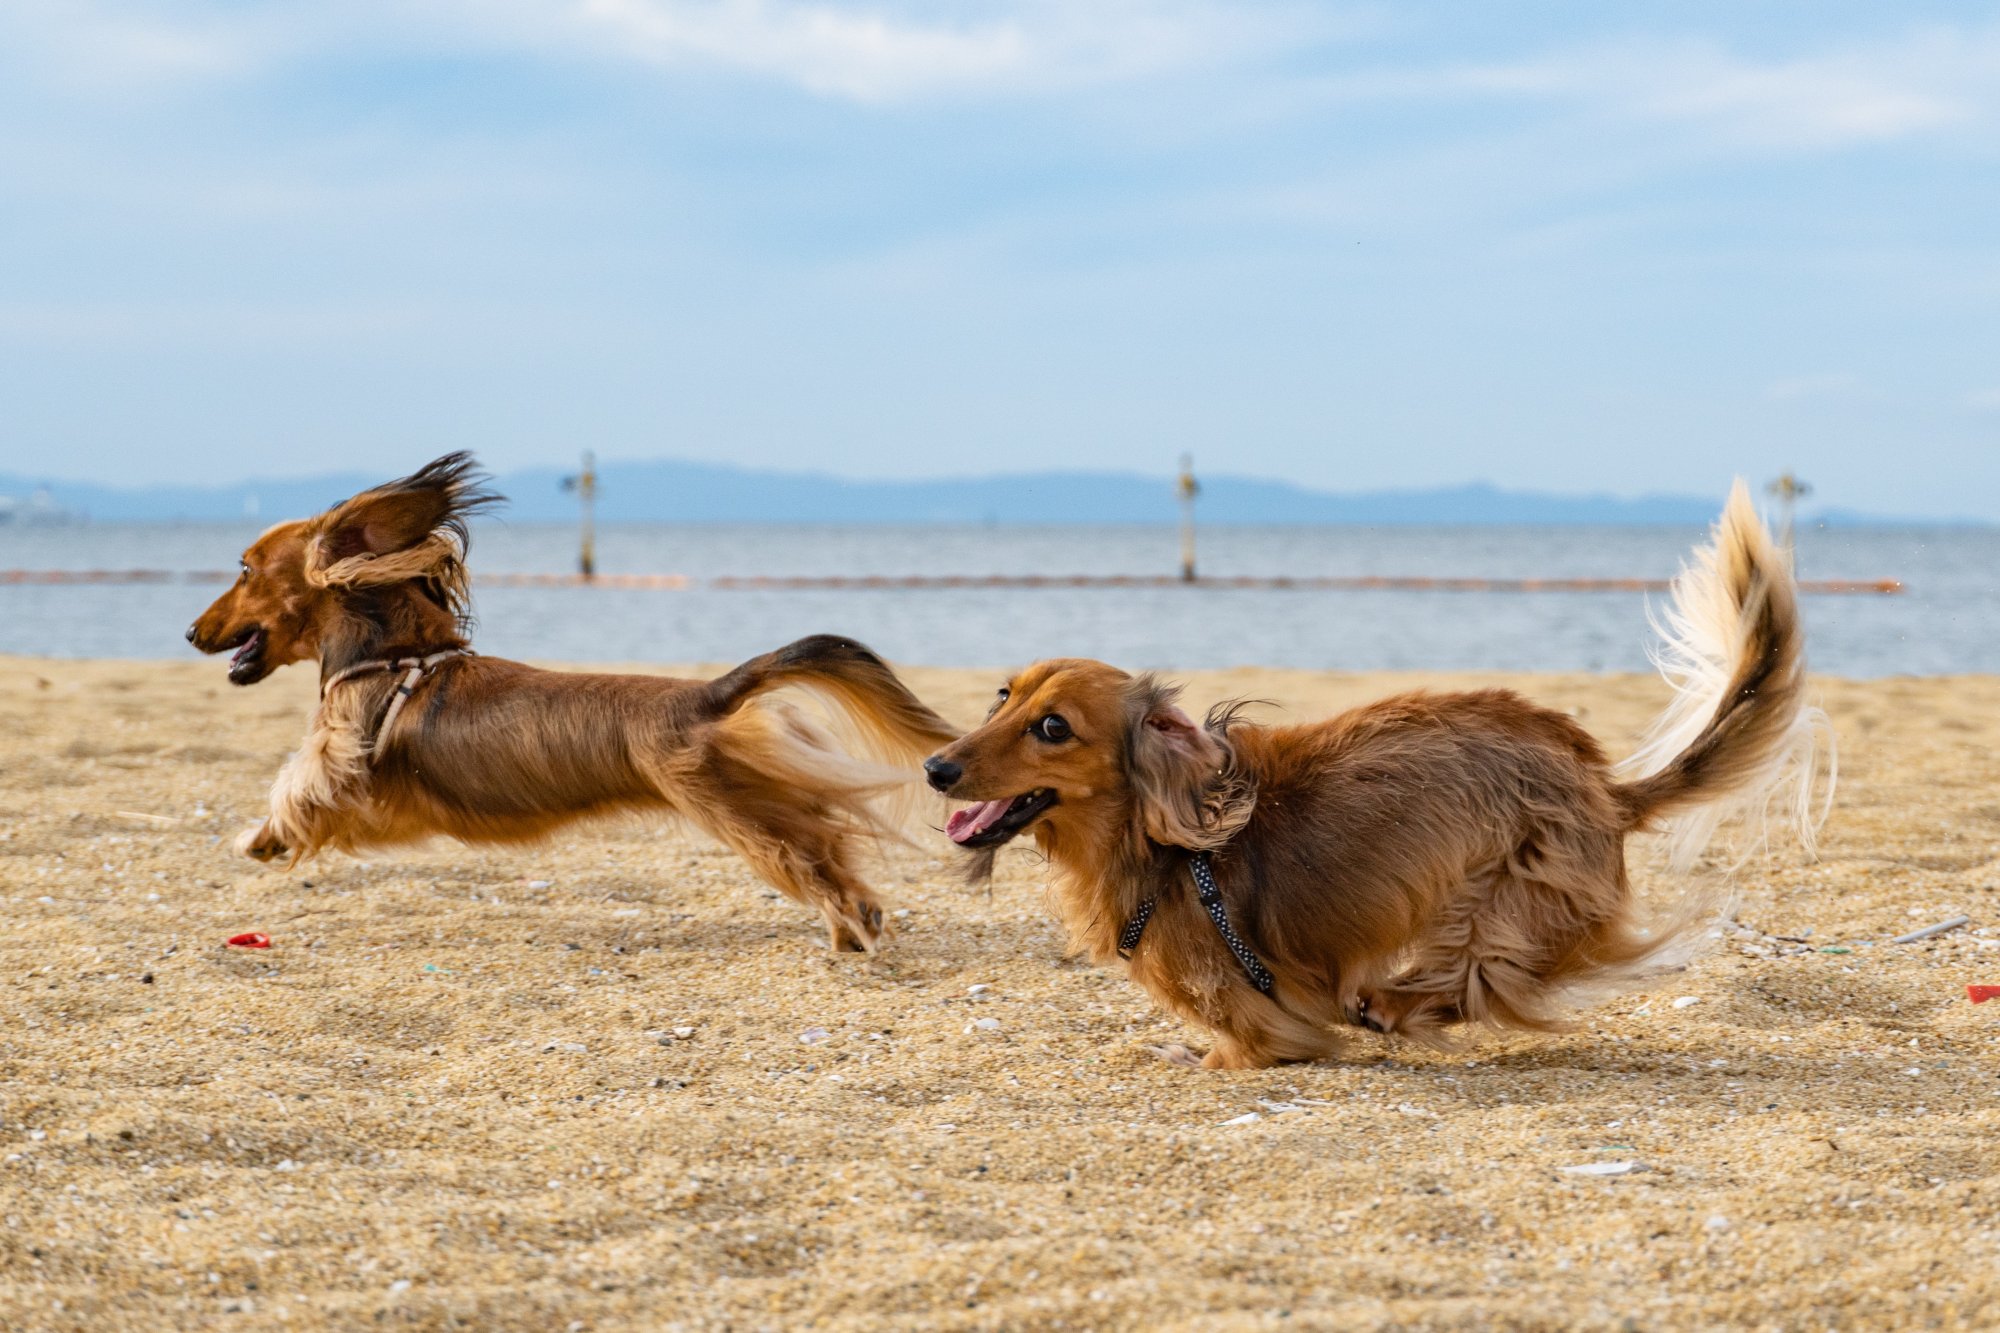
(494, 751)
(1422, 861)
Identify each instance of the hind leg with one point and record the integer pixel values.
(853, 917)
(764, 784)
(1443, 970)
(808, 860)
(1508, 944)
(1402, 1006)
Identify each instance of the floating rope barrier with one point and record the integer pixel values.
(891, 582)
(1281, 582)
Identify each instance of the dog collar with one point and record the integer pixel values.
(1211, 898)
(414, 669)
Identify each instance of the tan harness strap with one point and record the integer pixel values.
(414, 669)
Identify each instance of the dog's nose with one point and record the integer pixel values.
(191, 632)
(942, 772)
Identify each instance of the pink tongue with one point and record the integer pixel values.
(974, 819)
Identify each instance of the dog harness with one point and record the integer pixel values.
(1211, 898)
(414, 669)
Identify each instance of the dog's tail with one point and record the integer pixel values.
(1740, 737)
(889, 724)
(856, 749)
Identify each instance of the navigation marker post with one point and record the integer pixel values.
(1789, 490)
(584, 484)
(1188, 488)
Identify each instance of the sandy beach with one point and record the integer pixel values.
(617, 1083)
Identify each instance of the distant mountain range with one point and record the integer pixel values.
(680, 492)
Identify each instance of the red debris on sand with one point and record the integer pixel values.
(255, 939)
(1981, 994)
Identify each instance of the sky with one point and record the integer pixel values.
(1564, 246)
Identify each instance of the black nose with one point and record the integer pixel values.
(190, 634)
(942, 772)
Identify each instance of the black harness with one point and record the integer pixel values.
(1211, 898)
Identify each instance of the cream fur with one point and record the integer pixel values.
(325, 781)
(438, 555)
(1704, 635)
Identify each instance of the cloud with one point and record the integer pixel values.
(1817, 103)
(866, 56)
(1925, 81)
(1803, 388)
(867, 52)
(888, 51)
(42, 324)
(102, 49)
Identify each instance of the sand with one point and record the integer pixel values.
(617, 1083)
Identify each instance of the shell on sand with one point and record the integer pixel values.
(565, 1086)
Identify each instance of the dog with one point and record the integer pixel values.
(1417, 863)
(416, 736)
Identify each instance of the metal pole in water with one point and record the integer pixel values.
(1188, 489)
(584, 484)
(1789, 490)
(586, 490)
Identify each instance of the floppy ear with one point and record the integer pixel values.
(1189, 790)
(414, 527)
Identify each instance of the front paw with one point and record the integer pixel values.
(261, 844)
(1176, 1054)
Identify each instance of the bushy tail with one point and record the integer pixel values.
(863, 747)
(1740, 738)
(891, 725)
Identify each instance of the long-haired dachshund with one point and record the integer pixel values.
(1422, 861)
(416, 736)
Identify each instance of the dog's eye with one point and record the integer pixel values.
(1053, 728)
(998, 700)
(243, 568)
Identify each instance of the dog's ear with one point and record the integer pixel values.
(378, 523)
(437, 498)
(412, 528)
(1189, 790)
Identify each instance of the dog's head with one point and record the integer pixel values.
(1078, 745)
(387, 565)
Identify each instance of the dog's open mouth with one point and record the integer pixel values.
(245, 662)
(990, 823)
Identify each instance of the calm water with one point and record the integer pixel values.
(1948, 622)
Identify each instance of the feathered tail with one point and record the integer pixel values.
(859, 749)
(1740, 737)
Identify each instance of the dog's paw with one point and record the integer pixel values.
(260, 844)
(1176, 1054)
(868, 928)
(861, 932)
(1361, 1013)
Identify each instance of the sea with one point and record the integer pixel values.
(1946, 622)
